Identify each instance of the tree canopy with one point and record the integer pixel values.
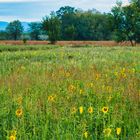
(34, 30)
(126, 22)
(52, 26)
(14, 30)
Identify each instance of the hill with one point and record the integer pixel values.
(3, 25)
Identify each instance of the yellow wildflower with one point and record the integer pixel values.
(90, 110)
(91, 85)
(12, 137)
(81, 91)
(124, 75)
(105, 109)
(107, 132)
(19, 112)
(118, 131)
(85, 134)
(51, 98)
(81, 109)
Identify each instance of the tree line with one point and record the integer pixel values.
(69, 23)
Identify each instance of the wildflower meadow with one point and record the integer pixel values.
(69, 93)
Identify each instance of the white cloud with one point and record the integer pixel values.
(23, 19)
(34, 10)
(72, 1)
(6, 1)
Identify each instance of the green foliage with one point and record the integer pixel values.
(65, 11)
(83, 25)
(69, 33)
(92, 26)
(52, 26)
(136, 8)
(35, 30)
(25, 37)
(68, 18)
(20, 48)
(126, 22)
(14, 30)
(24, 41)
(3, 35)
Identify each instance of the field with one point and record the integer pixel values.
(69, 92)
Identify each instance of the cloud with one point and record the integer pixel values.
(6, 1)
(34, 10)
(24, 19)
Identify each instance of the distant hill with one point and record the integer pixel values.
(4, 24)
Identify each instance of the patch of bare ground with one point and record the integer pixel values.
(63, 43)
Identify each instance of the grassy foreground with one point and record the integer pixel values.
(64, 93)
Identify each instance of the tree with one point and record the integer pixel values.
(92, 26)
(3, 35)
(14, 30)
(65, 10)
(52, 26)
(126, 22)
(136, 8)
(83, 25)
(34, 30)
(67, 16)
(69, 32)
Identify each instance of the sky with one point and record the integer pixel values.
(34, 10)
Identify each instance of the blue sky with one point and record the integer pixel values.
(34, 10)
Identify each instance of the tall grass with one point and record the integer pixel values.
(11, 48)
(70, 94)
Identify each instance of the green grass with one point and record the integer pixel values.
(10, 48)
(50, 83)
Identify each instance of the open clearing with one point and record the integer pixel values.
(69, 93)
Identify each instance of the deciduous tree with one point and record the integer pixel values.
(34, 30)
(14, 30)
(52, 26)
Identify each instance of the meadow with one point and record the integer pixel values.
(69, 92)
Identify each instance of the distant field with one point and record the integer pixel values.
(63, 43)
(69, 92)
